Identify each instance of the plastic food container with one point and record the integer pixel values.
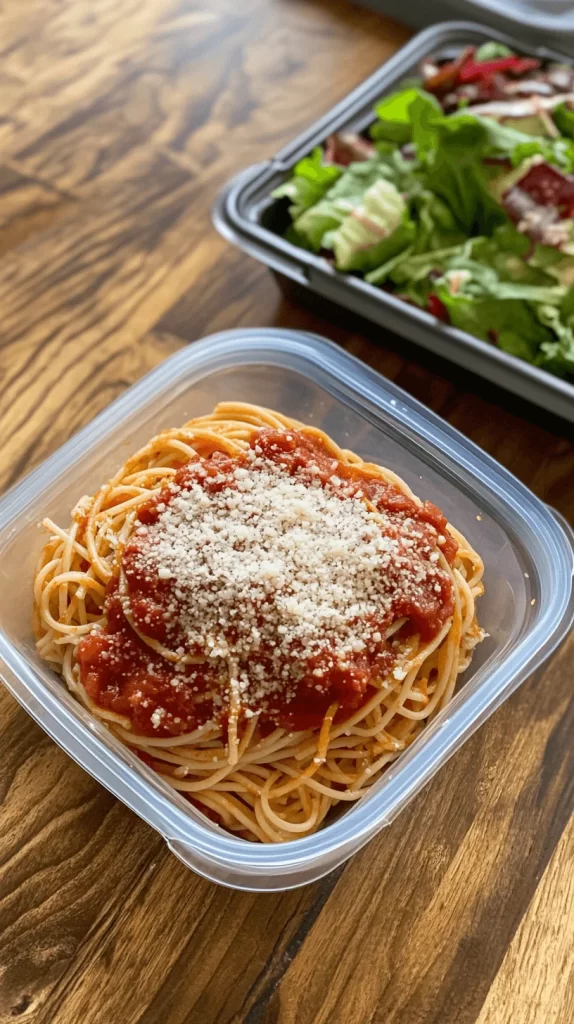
(533, 20)
(527, 608)
(246, 215)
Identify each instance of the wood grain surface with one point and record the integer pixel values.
(119, 122)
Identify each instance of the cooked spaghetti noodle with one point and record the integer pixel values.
(264, 618)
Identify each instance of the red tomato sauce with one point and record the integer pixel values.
(122, 673)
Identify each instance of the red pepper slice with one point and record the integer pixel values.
(447, 75)
(437, 308)
(474, 71)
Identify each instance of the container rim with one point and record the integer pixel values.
(278, 347)
(530, 13)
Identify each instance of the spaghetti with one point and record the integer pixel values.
(263, 617)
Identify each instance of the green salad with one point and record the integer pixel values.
(459, 200)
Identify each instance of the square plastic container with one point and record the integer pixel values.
(246, 214)
(527, 608)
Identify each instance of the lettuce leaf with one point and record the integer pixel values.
(556, 355)
(312, 226)
(326, 215)
(404, 172)
(523, 319)
(554, 264)
(462, 186)
(508, 253)
(437, 226)
(376, 230)
(417, 266)
(511, 323)
(311, 180)
(384, 271)
(453, 148)
(397, 114)
(567, 308)
(564, 120)
(519, 343)
(436, 233)
(503, 140)
(491, 51)
(345, 196)
(559, 152)
(362, 256)
(508, 239)
(473, 279)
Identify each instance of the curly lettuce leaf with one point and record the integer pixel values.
(508, 253)
(437, 237)
(403, 171)
(564, 120)
(557, 354)
(567, 308)
(556, 265)
(311, 180)
(559, 152)
(383, 272)
(416, 267)
(492, 51)
(463, 187)
(437, 225)
(398, 113)
(511, 323)
(466, 276)
(517, 145)
(454, 147)
(367, 254)
(376, 230)
(523, 319)
(345, 196)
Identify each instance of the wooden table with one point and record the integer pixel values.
(119, 122)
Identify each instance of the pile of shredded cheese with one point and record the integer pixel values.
(267, 565)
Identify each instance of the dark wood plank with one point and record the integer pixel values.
(536, 979)
(69, 857)
(190, 76)
(214, 947)
(78, 298)
(27, 206)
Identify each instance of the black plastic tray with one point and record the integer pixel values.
(245, 214)
(535, 20)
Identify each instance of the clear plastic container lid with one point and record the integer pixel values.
(527, 608)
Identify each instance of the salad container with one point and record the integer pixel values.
(246, 214)
(526, 610)
(552, 20)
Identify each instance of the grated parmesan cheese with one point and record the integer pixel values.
(268, 571)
